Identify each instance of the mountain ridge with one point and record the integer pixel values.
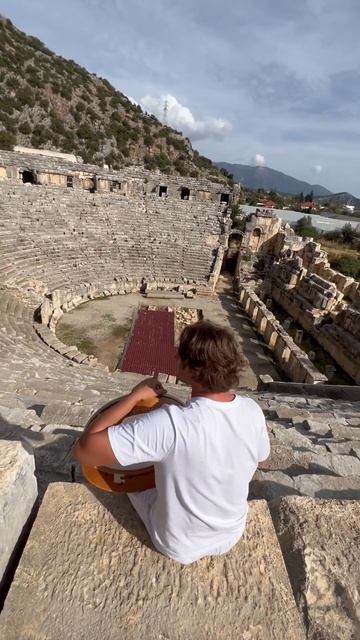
(261, 177)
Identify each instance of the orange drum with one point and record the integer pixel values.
(137, 477)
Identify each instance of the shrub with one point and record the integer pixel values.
(25, 128)
(55, 87)
(348, 233)
(25, 97)
(80, 106)
(148, 140)
(36, 82)
(44, 103)
(7, 140)
(66, 92)
(30, 69)
(8, 122)
(334, 235)
(7, 104)
(150, 162)
(91, 113)
(115, 102)
(305, 228)
(40, 136)
(57, 125)
(162, 162)
(12, 82)
(180, 167)
(348, 265)
(177, 144)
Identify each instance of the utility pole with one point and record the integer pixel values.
(165, 111)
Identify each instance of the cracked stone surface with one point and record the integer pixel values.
(88, 571)
(320, 543)
(18, 492)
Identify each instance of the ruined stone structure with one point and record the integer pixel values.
(289, 356)
(261, 232)
(298, 276)
(88, 568)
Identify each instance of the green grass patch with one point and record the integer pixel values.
(108, 317)
(71, 336)
(121, 330)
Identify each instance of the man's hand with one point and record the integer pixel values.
(148, 389)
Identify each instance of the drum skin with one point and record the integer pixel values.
(118, 479)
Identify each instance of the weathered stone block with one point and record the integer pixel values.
(350, 433)
(271, 484)
(94, 574)
(320, 543)
(46, 311)
(324, 486)
(18, 492)
(317, 428)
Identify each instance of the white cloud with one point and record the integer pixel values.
(181, 118)
(258, 160)
(317, 168)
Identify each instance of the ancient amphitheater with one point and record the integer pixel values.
(78, 564)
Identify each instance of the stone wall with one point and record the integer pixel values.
(290, 357)
(135, 180)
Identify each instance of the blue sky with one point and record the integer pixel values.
(273, 82)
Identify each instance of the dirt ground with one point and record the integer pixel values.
(102, 327)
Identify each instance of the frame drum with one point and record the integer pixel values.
(137, 477)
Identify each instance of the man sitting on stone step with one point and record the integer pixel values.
(204, 453)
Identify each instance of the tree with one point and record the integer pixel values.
(309, 197)
(304, 227)
(348, 233)
(7, 140)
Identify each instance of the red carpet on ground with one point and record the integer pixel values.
(151, 349)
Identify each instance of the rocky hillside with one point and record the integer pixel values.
(52, 103)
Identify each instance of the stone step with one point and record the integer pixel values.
(320, 543)
(94, 574)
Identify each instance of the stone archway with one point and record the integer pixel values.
(231, 254)
(28, 177)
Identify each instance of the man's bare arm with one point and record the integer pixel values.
(93, 446)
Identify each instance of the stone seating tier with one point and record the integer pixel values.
(54, 235)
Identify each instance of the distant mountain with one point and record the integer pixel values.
(344, 197)
(265, 178)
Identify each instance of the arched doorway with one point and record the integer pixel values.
(231, 253)
(28, 177)
(184, 193)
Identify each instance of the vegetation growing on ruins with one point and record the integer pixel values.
(49, 102)
(341, 245)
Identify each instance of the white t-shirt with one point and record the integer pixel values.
(205, 454)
